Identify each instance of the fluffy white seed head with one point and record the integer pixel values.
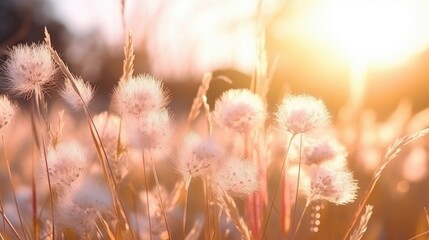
(199, 156)
(29, 68)
(318, 150)
(7, 111)
(239, 110)
(66, 164)
(149, 131)
(334, 185)
(302, 114)
(70, 96)
(237, 177)
(79, 206)
(91, 193)
(139, 95)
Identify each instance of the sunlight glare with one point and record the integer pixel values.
(378, 32)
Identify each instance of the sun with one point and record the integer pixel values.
(381, 32)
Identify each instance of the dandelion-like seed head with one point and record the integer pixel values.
(302, 114)
(81, 204)
(91, 193)
(318, 150)
(150, 131)
(29, 68)
(139, 95)
(66, 164)
(237, 178)
(198, 156)
(240, 110)
(71, 97)
(7, 111)
(334, 185)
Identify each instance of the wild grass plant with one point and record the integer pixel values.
(236, 171)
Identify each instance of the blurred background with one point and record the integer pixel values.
(319, 44)
(371, 55)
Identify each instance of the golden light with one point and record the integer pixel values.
(367, 33)
(380, 32)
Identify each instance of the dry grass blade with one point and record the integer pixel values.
(423, 233)
(195, 232)
(55, 137)
(12, 185)
(363, 224)
(128, 67)
(199, 99)
(228, 205)
(427, 215)
(260, 74)
(419, 235)
(397, 147)
(10, 225)
(161, 201)
(41, 145)
(392, 151)
(101, 152)
(123, 14)
(106, 227)
(174, 196)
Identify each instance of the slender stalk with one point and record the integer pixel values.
(135, 200)
(360, 208)
(285, 205)
(300, 219)
(34, 198)
(185, 212)
(100, 233)
(159, 194)
(101, 152)
(147, 196)
(253, 202)
(2, 210)
(419, 235)
(11, 226)
(277, 187)
(9, 173)
(207, 209)
(213, 214)
(38, 98)
(297, 185)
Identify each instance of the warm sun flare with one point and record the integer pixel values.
(379, 32)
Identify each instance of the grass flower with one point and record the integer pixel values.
(66, 164)
(302, 114)
(198, 157)
(29, 68)
(237, 177)
(108, 200)
(317, 150)
(148, 132)
(7, 111)
(333, 185)
(139, 95)
(70, 96)
(239, 110)
(79, 207)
